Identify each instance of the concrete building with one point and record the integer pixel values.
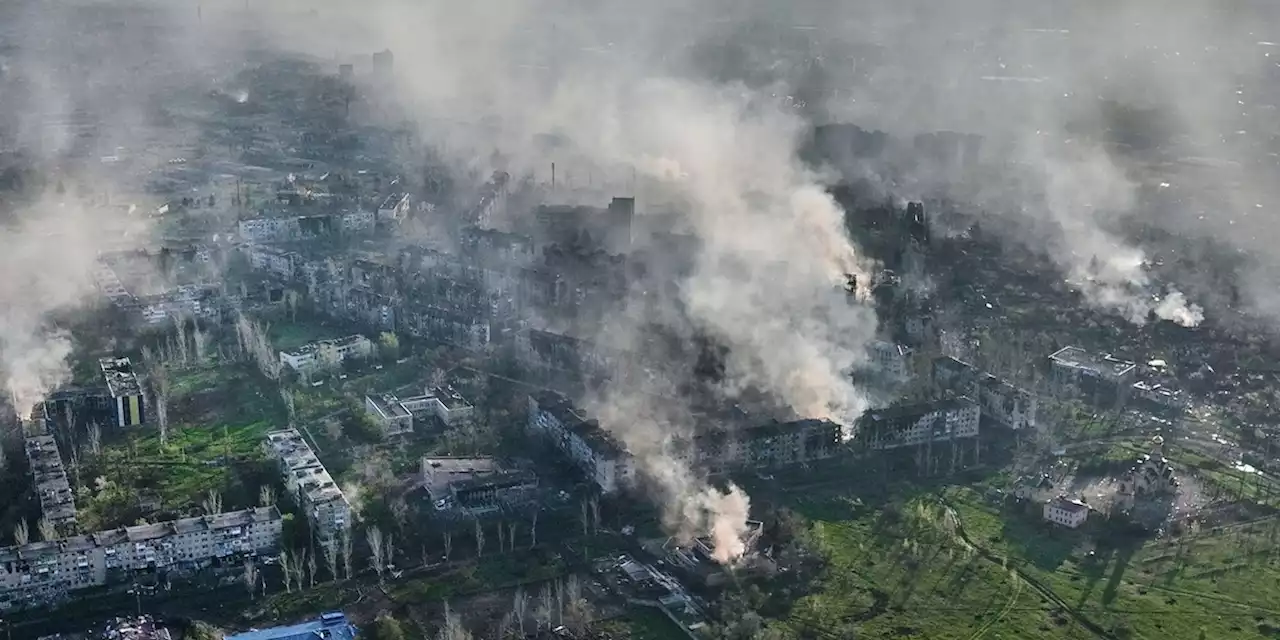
(329, 626)
(766, 446)
(327, 354)
(49, 479)
(892, 359)
(946, 425)
(395, 208)
(1101, 380)
(389, 414)
(1066, 512)
(122, 384)
(476, 486)
(1001, 401)
(397, 416)
(46, 572)
(595, 452)
(318, 496)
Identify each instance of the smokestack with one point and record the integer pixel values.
(553, 176)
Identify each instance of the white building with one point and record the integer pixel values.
(357, 221)
(318, 496)
(389, 413)
(326, 354)
(1066, 512)
(589, 447)
(45, 572)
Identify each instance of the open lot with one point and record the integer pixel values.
(950, 563)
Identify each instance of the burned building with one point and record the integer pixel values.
(1100, 380)
(1001, 401)
(600, 457)
(950, 426)
(126, 392)
(49, 479)
(608, 229)
(476, 486)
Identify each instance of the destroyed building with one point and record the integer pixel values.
(949, 426)
(596, 453)
(1100, 380)
(1001, 401)
(49, 480)
(42, 573)
(476, 486)
(126, 392)
(318, 496)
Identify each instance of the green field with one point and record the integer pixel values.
(218, 418)
(641, 623)
(950, 564)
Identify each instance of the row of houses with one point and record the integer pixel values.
(42, 573)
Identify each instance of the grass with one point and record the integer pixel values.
(219, 417)
(902, 568)
(641, 623)
(892, 575)
(1227, 584)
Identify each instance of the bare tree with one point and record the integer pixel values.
(330, 559)
(511, 535)
(595, 514)
(213, 503)
(452, 628)
(577, 610)
(533, 528)
(545, 611)
(376, 550)
(448, 545)
(286, 570)
(289, 405)
(586, 517)
(311, 569)
(502, 538)
(479, 539)
(251, 578)
(520, 607)
(48, 532)
(95, 438)
(21, 533)
(266, 495)
(346, 550)
(160, 384)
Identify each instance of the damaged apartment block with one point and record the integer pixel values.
(951, 426)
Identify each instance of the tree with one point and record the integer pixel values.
(21, 533)
(251, 578)
(266, 496)
(479, 538)
(376, 550)
(330, 559)
(346, 549)
(533, 529)
(286, 570)
(448, 545)
(387, 628)
(389, 345)
(95, 439)
(212, 503)
(48, 532)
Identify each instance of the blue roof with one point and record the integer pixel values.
(330, 626)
